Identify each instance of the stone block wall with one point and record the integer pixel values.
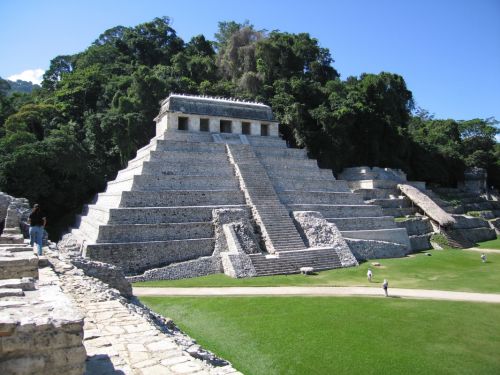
(14, 265)
(419, 230)
(51, 347)
(370, 249)
(107, 273)
(193, 268)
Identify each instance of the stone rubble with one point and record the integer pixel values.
(123, 336)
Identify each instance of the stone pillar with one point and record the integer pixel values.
(254, 128)
(274, 129)
(475, 180)
(236, 127)
(214, 125)
(194, 124)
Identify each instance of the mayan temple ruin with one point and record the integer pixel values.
(217, 190)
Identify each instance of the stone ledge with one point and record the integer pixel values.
(41, 332)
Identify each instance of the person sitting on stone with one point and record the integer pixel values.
(37, 222)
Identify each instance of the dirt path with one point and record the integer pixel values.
(481, 250)
(320, 291)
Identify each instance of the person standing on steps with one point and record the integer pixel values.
(369, 275)
(37, 222)
(385, 285)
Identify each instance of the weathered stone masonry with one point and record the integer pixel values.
(155, 220)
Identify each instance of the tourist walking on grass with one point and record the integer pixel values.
(483, 257)
(385, 285)
(369, 275)
(37, 222)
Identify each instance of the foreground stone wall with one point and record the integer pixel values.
(41, 332)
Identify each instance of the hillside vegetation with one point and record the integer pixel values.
(61, 143)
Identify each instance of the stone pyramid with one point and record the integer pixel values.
(211, 156)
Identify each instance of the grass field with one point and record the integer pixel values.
(458, 270)
(343, 335)
(493, 244)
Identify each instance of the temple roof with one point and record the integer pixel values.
(218, 107)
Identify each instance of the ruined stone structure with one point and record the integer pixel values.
(40, 331)
(161, 217)
(420, 211)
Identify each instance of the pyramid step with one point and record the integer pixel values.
(392, 203)
(153, 215)
(204, 168)
(368, 194)
(153, 232)
(165, 182)
(107, 199)
(305, 184)
(176, 198)
(318, 197)
(185, 136)
(94, 212)
(187, 157)
(171, 145)
(129, 172)
(292, 261)
(273, 162)
(361, 223)
(394, 235)
(340, 211)
(137, 257)
(275, 171)
(399, 212)
(288, 153)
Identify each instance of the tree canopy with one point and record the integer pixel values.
(62, 142)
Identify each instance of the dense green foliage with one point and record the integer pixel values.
(458, 270)
(341, 335)
(61, 143)
(21, 86)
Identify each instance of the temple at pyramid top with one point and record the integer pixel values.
(215, 115)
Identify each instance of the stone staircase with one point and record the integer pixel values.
(278, 230)
(289, 262)
(305, 187)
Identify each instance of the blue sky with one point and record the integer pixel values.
(447, 51)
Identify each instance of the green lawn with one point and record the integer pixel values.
(493, 244)
(446, 270)
(342, 335)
